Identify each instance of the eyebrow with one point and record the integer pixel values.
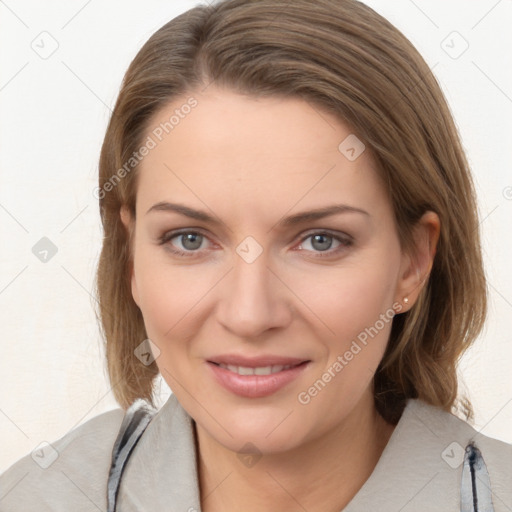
(289, 221)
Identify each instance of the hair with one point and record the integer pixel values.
(346, 59)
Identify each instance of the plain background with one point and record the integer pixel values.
(54, 111)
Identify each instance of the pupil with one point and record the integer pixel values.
(325, 242)
(194, 239)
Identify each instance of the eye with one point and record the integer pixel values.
(185, 243)
(325, 244)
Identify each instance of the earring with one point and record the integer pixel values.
(406, 300)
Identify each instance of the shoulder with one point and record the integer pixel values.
(425, 464)
(447, 425)
(68, 474)
(451, 439)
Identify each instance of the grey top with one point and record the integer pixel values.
(420, 469)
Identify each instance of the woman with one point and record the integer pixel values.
(291, 241)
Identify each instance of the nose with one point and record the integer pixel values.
(254, 299)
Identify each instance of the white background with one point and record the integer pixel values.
(54, 112)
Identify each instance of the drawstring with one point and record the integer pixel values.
(475, 491)
(134, 424)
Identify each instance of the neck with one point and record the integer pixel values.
(342, 460)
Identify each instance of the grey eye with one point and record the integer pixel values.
(321, 242)
(191, 241)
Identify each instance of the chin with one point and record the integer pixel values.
(247, 440)
(271, 429)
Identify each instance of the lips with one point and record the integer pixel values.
(255, 377)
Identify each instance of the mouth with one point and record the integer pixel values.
(258, 370)
(257, 377)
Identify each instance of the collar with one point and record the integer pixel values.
(420, 468)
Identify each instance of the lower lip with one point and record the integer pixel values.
(255, 386)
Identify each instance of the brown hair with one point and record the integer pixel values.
(343, 57)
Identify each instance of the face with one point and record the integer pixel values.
(266, 267)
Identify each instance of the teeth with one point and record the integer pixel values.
(260, 370)
(263, 370)
(242, 370)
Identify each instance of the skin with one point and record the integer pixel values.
(251, 162)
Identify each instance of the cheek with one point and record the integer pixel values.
(354, 306)
(349, 299)
(359, 316)
(168, 296)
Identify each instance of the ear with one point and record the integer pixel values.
(128, 221)
(416, 265)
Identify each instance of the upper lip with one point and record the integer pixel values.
(256, 361)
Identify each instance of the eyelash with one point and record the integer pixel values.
(345, 243)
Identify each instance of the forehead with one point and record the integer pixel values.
(257, 153)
